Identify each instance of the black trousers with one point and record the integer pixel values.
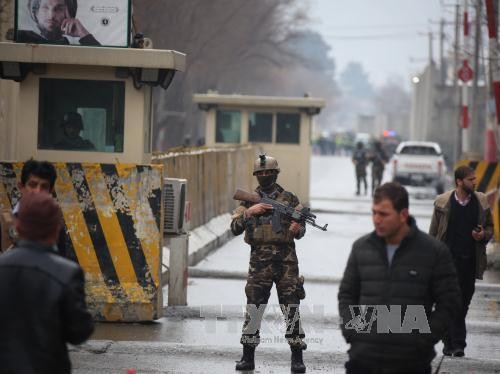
(361, 178)
(354, 367)
(465, 265)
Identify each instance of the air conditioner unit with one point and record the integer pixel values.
(174, 200)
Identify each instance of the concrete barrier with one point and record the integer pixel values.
(113, 223)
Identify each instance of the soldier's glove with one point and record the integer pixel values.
(258, 209)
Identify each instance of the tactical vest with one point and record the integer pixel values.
(259, 231)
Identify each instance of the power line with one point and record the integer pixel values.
(380, 26)
(371, 37)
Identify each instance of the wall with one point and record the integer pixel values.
(213, 175)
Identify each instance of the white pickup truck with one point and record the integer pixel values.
(419, 164)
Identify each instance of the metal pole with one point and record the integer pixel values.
(442, 64)
(475, 136)
(465, 98)
(490, 147)
(431, 57)
(456, 132)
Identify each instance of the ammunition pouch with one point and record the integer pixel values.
(264, 234)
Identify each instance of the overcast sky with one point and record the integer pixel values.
(384, 35)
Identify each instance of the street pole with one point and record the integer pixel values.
(456, 132)
(475, 136)
(431, 57)
(490, 147)
(441, 52)
(465, 74)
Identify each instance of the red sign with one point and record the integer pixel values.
(465, 73)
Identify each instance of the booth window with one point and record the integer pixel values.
(288, 128)
(260, 127)
(228, 127)
(81, 115)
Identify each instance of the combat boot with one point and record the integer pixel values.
(247, 362)
(297, 361)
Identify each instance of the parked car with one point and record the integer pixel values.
(421, 164)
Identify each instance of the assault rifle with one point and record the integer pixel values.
(280, 210)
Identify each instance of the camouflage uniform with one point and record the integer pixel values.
(272, 259)
(379, 159)
(360, 159)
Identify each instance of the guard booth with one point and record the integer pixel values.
(89, 111)
(278, 126)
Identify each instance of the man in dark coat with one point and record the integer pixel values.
(398, 292)
(41, 293)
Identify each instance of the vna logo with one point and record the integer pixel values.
(388, 319)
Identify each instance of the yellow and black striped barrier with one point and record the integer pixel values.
(112, 215)
(488, 181)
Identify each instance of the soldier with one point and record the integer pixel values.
(72, 125)
(379, 159)
(360, 160)
(272, 259)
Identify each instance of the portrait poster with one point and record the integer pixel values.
(73, 22)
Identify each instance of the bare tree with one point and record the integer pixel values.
(6, 17)
(231, 45)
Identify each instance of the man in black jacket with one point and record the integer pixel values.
(41, 293)
(398, 292)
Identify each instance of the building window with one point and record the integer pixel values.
(288, 128)
(260, 127)
(228, 127)
(81, 115)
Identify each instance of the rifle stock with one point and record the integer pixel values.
(246, 196)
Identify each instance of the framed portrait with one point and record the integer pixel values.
(73, 22)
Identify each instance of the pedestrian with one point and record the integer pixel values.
(38, 177)
(42, 294)
(378, 158)
(401, 276)
(360, 160)
(462, 220)
(272, 260)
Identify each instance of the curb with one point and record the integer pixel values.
(202, 241)
(225, 274)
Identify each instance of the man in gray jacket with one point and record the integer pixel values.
(462, 220)
(398, 292)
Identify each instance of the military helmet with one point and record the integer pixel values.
(73, 118)
(264, 162)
